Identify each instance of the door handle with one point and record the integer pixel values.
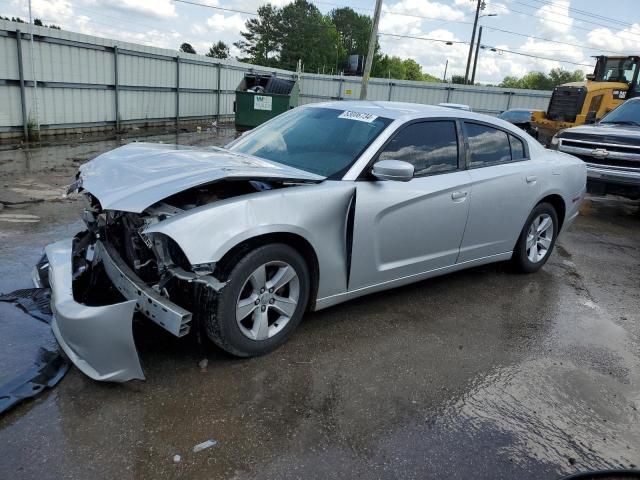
(532, 179)
(458, 195)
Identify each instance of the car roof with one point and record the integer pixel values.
(406, 112)
(461, 106)
(518, 110)
(400, 110)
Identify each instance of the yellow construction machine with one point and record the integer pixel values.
(613, 80)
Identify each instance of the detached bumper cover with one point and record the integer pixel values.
(98, 340)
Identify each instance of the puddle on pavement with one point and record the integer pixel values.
(71, 155)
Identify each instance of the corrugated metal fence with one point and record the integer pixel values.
(85, 82)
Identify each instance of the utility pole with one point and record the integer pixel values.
(372, 48)
(475, 60)
(34, 77)
(473, 37)
(444, 76)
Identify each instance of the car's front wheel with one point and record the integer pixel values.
(263, 302)
(537, 239)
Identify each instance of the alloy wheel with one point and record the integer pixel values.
(267, 300)
(539, 238)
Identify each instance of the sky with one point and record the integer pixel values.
(561, 30)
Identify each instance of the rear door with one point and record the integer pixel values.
(505, 183)
(403, 229)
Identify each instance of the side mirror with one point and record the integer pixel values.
(590, 76)
(393, 170)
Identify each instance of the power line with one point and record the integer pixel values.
(394, 35)
(420, 17)
(497, 49)
(586, 13)
(224, 9)
(557, 13)
(563, 23)
(409, 36)
(551, 41)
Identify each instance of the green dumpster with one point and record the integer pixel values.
(261, 97)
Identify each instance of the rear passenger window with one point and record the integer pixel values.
(488, 146)
(431, 147)
(517, 148)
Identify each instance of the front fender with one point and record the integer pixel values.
(317, 213)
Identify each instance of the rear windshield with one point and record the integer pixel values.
(515, 116)
(324, 141)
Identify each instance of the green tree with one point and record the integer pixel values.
(261, 42)
(187, 48)
(388, 67)
(558, 76)
(427, 77)
(218, 50)
(457, 79)
(412, 70)
(13, 19)
(510, 81)
(353, 29)
(306, 34)
(543, 81)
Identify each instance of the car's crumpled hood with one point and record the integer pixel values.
(137, 175)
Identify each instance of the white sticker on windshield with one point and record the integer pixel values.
(361, 117)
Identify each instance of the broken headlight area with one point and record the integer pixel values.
(96, 294)
(114, 258)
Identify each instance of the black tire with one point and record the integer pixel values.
(520, 258)
(222, 327)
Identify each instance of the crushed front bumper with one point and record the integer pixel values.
(99, 339)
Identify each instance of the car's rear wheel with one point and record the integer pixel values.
(537, 239)
(263, 302)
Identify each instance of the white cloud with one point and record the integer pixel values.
(627, 40)
(399, 25)
(52, 11)
(426, 8)
(154, 8)
(222, 23)
(553, 50)
(554, 18)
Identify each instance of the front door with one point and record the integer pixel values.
(402, 229)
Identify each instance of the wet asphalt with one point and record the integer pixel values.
(483, 374)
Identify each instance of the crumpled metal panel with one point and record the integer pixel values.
(135, 176)
(98, 340)
(317, 213)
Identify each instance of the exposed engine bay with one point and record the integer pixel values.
(154, 260)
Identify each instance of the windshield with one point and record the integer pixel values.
(324, 141)
(627, 113)
(619, 70)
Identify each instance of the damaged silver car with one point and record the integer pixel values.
(320, 205)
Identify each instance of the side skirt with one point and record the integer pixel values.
(343, 297)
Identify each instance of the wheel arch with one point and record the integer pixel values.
(558, 203)
(294, 240)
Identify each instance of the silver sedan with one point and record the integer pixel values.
(320, 205)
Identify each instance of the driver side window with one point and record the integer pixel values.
(431, 147)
